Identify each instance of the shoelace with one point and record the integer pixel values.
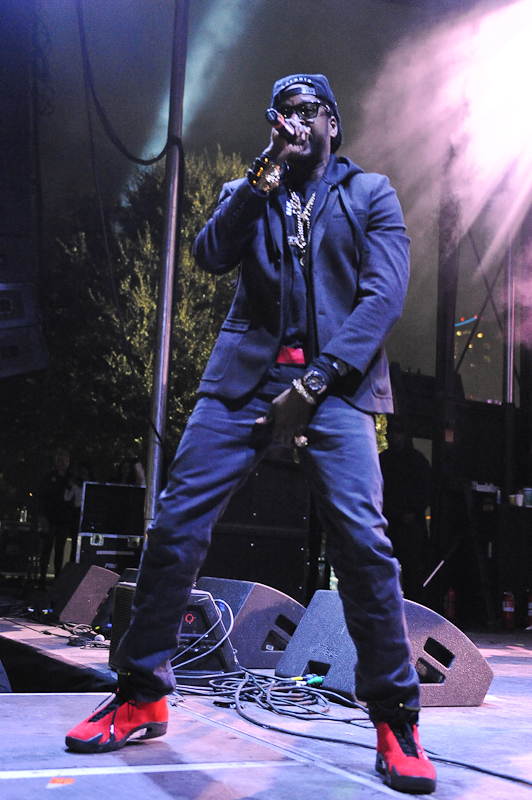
(114, 705)
(405, 736)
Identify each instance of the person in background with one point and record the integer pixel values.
(407, 494)
(130, 470)
(74, 496)
(56, 515)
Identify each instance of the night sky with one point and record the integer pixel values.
(236, 50)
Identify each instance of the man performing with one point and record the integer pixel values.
(323, 259)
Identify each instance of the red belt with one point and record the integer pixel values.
(291, 355)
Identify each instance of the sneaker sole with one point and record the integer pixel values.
(152, 731)
(404, 783)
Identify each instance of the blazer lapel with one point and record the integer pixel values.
(276, 216)
(322, 210)
(283, 256)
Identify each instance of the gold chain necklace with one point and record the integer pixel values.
(303, 223)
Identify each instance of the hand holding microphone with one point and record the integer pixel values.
(292, 135)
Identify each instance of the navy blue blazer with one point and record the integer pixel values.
(358, 257)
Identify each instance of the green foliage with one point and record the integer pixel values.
(381, 422)
(93, 398)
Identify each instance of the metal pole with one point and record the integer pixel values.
(169, 251)
(510, 326)
(509, 408)
(443, 457)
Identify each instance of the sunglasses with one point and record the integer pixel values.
(304, 111)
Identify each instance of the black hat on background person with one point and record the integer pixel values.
(398, 433)
(316, 86)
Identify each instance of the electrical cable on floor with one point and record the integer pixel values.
(76, 634)
(82, 635)
(14, 609)
(282, 696)
(475, 768)
(16, 621)
(294, 699)
(434, 757)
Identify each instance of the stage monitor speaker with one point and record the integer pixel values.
(120, 616)
(264, 619)
(102, 622)
(78, 591)
(451, 670)
(204, 646)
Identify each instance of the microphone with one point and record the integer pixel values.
(281, 125)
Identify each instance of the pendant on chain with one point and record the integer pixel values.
(302, 223)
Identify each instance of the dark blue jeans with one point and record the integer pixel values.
(219, 448)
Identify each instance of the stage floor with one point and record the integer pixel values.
(211, 753)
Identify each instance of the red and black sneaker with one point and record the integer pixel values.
(111, 727)
(402, 760)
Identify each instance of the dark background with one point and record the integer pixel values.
(236, 50)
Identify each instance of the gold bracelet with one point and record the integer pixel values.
(300, 389)
(265, 174)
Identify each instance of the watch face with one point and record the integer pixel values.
(314, 381)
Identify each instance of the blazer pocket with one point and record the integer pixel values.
(235, 325)
(230, 336)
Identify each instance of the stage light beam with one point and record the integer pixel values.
(463, 86)
(224, 24)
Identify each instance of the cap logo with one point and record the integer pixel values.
(297, 79)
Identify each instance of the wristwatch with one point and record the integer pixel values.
(314, 382)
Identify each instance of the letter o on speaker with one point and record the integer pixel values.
(265, 619)
(452, 672)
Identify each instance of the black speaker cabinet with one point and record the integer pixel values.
(264, 619)
(78, 591)
(204, 646)
(451, 670)
(113, 508)
(19, 548)
(21, 350)
(109, 550)
(263, 534)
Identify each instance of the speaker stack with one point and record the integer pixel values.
(263, 535)
(21, 341)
